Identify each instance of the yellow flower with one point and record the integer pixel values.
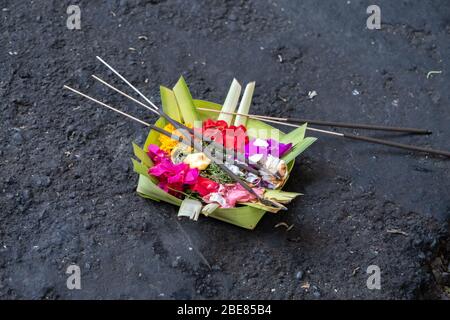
(167, 144)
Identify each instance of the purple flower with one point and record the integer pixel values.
(266, 147)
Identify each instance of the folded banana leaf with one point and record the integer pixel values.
(178, 103)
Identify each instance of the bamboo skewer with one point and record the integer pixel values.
(332, 123)
(197, 146)
(353, 137)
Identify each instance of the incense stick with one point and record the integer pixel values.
(124, 94)
(360, 138)
(330, 123)
(269, 119)
(107, 106)
(175, 123)
(231, 158)
(128, 83)
(197, 146)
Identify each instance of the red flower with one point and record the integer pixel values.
(205, 186)
(219, 124)
(231, 137)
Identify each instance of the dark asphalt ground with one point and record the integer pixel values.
(67, 186)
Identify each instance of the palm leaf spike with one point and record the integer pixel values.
(244, 106)
(231, 102)
(184, 99)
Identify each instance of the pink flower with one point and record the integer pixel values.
(230, 194)
(172, 177)
(191, 176)
(237, 193)
(156, 154)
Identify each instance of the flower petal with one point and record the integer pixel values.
(191, 176)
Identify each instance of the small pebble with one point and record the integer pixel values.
(25, 194)
(232, 17)
(312, 94)
(216, 268)
(176, 262)
(445, 276)
(87, 225)
(41, 181)
(17, 138)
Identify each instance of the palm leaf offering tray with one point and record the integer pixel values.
(220, 161)
(211, 192)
